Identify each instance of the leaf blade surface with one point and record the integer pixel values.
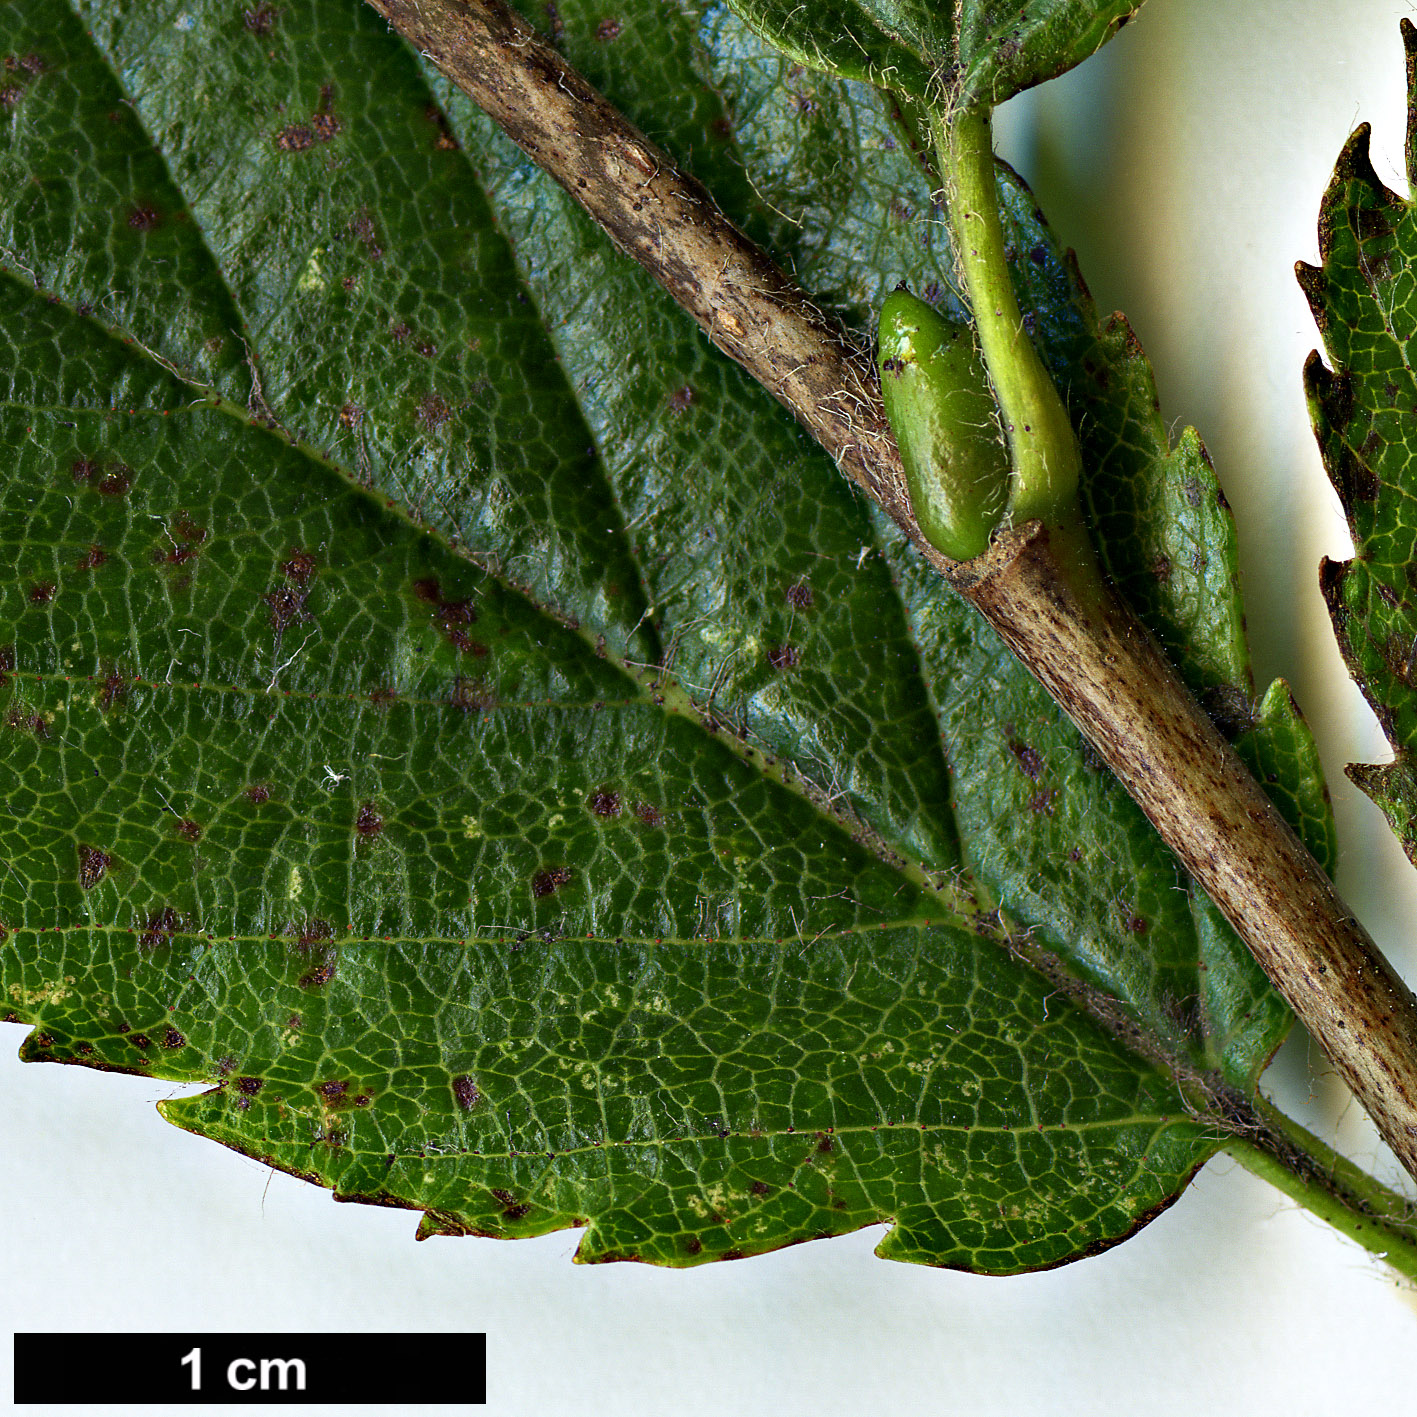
(974, 54)
(588, 686)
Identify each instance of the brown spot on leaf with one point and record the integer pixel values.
(95, 557)
(326, 126)
(180, 554)
(257, 793)
(285, 606)
(318, 977)
(144, 218)
(299, 566)
(161, 927)
(334, 1090)
(249, 1086)
(7, 658)
(11, 94)
(93, 866)
(41, 593)
(513, 1208)
(17, 718)
(465, 644)
(117, 482)
(368, 822)
(295, 139)
(312, 932)
(189, 830)
(457, 612)
(784, 657)
(607, 30)
(648, 814)
(428, 590)
(605, 803)
(363, 227)
(114, 688)
(1028, 760)
(261, 20)
(799, 596)
(351, 415)
(84, 469)
(682, 399)
(140, 1041)
(1044, 802)
(547, 882)
(172, 1039)
(470, 695)
(433, 411)
(465, 1092)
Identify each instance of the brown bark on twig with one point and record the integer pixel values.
(1112, 680)
(1090, 654)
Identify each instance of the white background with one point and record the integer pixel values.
(1186, 165)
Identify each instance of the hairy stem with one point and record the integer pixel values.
(1035, 585)
(1042, 444)
(1330, 1186)
(1109, 676)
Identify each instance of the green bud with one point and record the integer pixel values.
(942, 413)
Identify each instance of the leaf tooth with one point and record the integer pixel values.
(1355, 162)
(1314, 284)
(1409, 44)
(1330, 394)
(1368, 213)
(1331, 410)
(1319, 380)
(1392, 786)
(1332, 574)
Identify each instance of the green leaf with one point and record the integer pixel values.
(972, 53)
(1362, 297)
(459, 715)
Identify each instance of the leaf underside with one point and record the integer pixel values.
(456, 713)
(1364, 409)
(964, 53)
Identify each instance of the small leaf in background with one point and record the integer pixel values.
(964, 52)
(457, 714)
(1364, 299)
